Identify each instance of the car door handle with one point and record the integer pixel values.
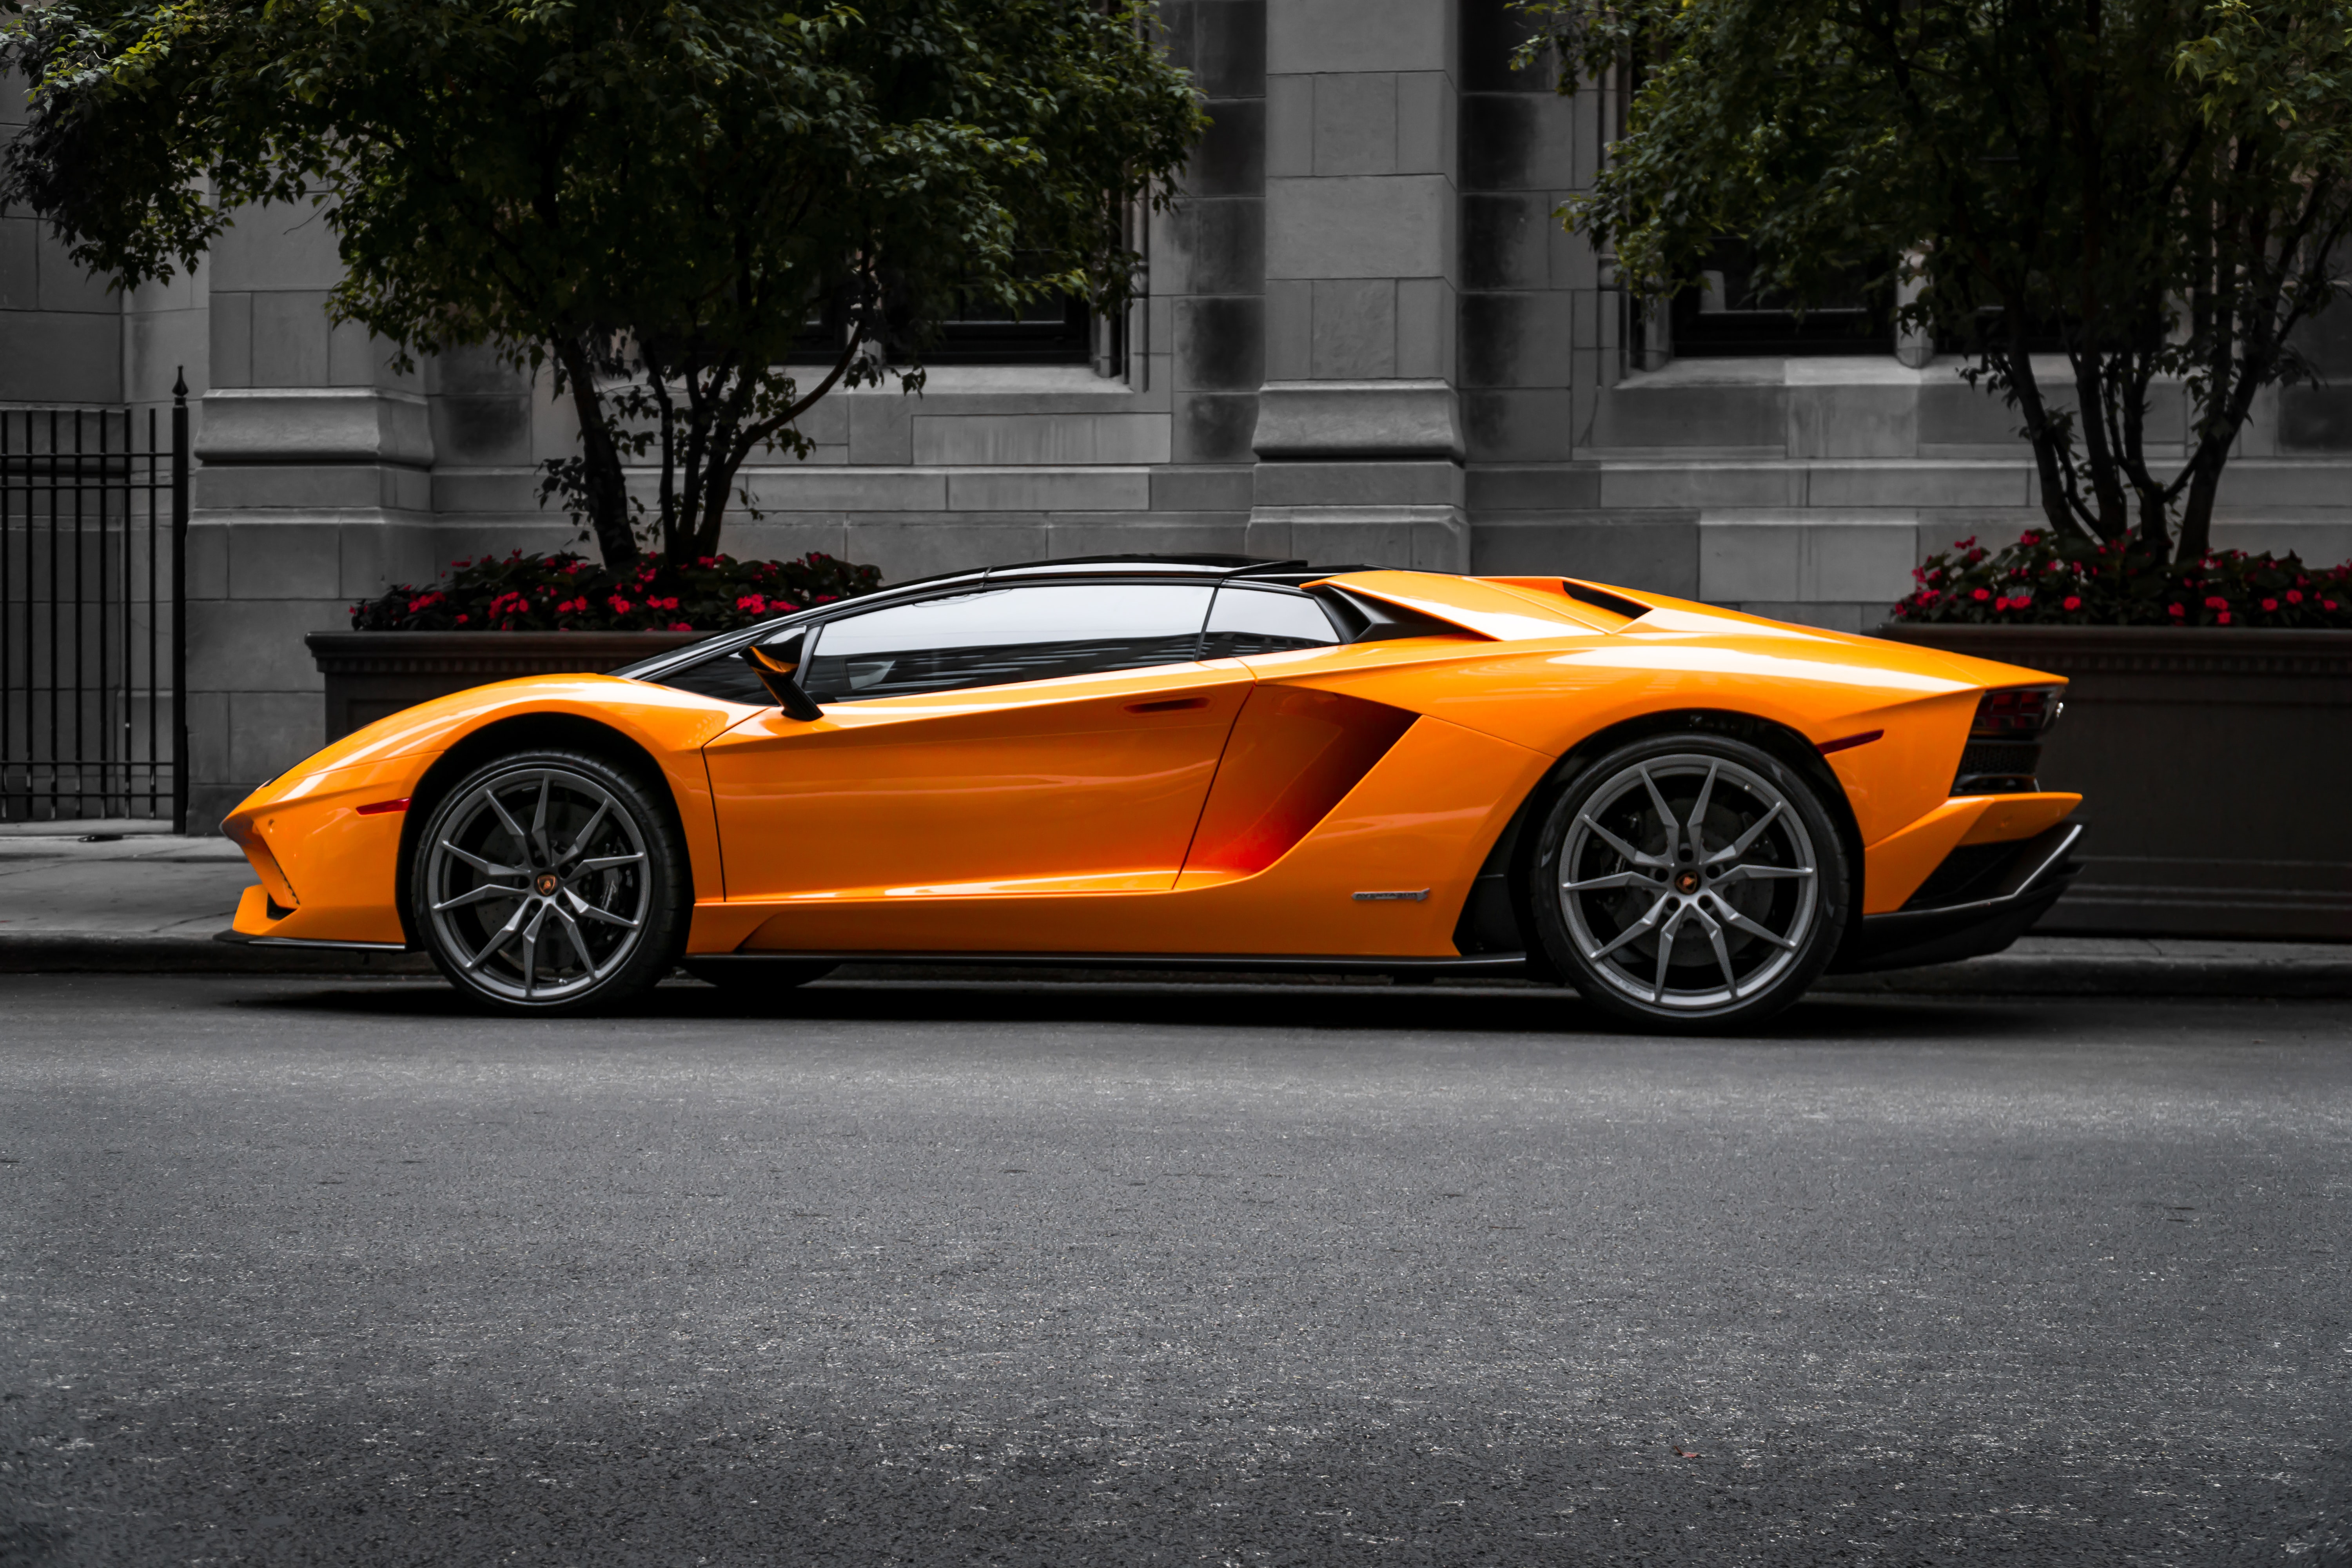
(1168, 705)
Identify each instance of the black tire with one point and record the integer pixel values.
(1680, 937)
(551, 881)
(752, 978)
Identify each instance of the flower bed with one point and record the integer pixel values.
(2208, 724)
(2048, 580)
(503, 616)
(569, 592)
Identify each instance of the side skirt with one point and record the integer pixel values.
(1475, 964)
(244, 941)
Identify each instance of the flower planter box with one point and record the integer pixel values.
(371, 674)
(2216, 770)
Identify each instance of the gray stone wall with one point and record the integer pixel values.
(61, 329)
(313, 488)
(1364, 337)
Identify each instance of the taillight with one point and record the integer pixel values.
(2017, 712)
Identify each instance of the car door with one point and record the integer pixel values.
(1031, 738)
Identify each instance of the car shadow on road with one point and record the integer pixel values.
(1378, 1009)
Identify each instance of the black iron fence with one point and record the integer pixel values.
(93, 644)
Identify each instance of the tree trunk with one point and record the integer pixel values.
(2197, 514)
(2095, 383)
(2015, 369)
(605, 486)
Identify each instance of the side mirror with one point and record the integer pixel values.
(778, 666)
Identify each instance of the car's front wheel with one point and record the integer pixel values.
(1690, 881)
(551, 881)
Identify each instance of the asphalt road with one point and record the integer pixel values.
(295, 1272)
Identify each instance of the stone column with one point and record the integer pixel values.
(1914, 346)
(313, 490)
(1359, 435)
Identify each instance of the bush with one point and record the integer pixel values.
(2048, 580)
(568, 593)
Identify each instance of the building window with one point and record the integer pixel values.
(1734, 316)
(1058, 330)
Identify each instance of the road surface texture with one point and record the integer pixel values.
(299, 1271)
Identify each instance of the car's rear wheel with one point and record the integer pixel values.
(551, 881)
(1689, 883)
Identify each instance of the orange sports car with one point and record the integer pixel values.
(1684, 813)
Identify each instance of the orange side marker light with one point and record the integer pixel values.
(1865, 738)
(384, 806)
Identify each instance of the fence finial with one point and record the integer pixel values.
(180, 385)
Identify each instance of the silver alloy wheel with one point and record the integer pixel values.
(1689, 883)
(541, 912)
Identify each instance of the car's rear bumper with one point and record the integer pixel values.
(1998, 906)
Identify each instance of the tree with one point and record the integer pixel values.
(655, 199)
(2156, 189)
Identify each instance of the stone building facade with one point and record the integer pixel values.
(1365, 338)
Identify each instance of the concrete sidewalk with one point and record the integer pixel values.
(119, 898)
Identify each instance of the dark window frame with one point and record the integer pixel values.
(1699, 333)
(1044, 337)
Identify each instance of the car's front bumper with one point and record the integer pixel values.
(1989, 910)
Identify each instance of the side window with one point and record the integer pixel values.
(724, 676)
(1265, 620)
(995, 636)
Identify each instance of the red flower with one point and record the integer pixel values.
(2072, 603)
(2328, 604)
(2177, 610)
(1984, 593)
(462, 619)
(2224, 618)
(679, 627)
(620, 605)
(2270, 604)
(755, 603)
(2215, 602)
(2294, 595)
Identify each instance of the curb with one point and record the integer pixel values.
(93, 952)
(2027, 975)
(2010, 974)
